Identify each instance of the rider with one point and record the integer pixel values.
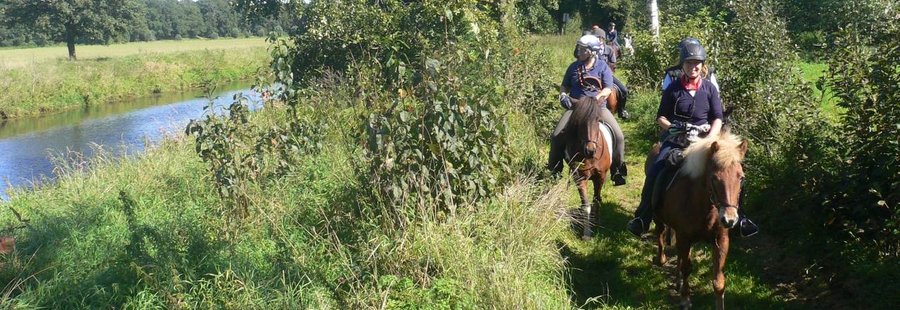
(612, 36)
(587, 50)
(689, 108)
(610, 57)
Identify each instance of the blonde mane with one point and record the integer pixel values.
(695, 156)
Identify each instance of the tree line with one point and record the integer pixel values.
(38, 23)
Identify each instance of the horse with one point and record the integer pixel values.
(701, 204)
(589, 155)
(628, 47)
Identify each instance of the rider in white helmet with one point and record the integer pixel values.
(587, 64)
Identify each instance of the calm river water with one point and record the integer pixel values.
(124, 128)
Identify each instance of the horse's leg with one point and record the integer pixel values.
(660, 244)
(720, 253)
(586, 206)
(684, 265)
(598, 201)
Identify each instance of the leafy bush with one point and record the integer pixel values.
(865, 74)
(652, 57)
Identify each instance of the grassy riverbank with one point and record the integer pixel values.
(50, 85)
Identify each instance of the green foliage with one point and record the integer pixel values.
(150, 20)
(652, 57)
(443, 146)
(535, 15)
(864, 74)
(575, 25)
(234, 152)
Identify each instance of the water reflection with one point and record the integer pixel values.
(125, 128)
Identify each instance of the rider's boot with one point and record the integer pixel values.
(619, 175)
(555, 160)
(623, 114)
(640, 224)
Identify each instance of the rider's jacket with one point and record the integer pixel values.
(575, 74)
(678, 104)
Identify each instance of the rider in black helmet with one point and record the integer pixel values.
(689, 109)
(673, 72)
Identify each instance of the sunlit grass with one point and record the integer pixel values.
(57, 85)
(812, 72)
(12, 58)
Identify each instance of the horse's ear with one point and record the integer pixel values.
(743, 147)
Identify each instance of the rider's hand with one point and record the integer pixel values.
(565, 101)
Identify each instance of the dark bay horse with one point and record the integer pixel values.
(588, 153)
(701, 204)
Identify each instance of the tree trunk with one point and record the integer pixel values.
(654, 18)
(70, 42)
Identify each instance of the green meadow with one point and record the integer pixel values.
(38, 81)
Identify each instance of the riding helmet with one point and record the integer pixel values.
(686, 41)
(591, 42)
(693, 52)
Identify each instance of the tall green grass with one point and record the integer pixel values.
(60, 85)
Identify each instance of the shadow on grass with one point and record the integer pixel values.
(615, 270)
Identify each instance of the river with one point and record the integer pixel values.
(122, 128)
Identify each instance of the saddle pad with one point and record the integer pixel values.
(607, 135)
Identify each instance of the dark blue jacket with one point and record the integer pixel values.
(677, 104)
(576, 72)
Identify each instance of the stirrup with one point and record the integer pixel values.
(748, 228)
(636, 227)
(618, 179)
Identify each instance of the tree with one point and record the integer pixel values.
(73, 21)
(654, 18)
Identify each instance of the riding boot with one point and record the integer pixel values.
(618, 176)
(623, 114)
(641, 223)
(555, 160)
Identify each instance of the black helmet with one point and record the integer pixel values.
(686, 41)
(692, 52)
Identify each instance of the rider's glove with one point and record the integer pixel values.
(565, 101)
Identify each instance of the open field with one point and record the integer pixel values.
(22, 57)
(41, 81)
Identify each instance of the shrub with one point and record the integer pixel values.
(865, 74)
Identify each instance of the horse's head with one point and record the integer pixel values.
(585, 124)
(720, 166)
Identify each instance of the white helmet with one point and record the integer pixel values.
(591, 42)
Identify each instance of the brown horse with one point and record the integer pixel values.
(612, 102)
(701, 204)
(588, 154)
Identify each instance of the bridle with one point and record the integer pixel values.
(714, 197)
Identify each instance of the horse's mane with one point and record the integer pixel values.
(586, 111)
(729, 153)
